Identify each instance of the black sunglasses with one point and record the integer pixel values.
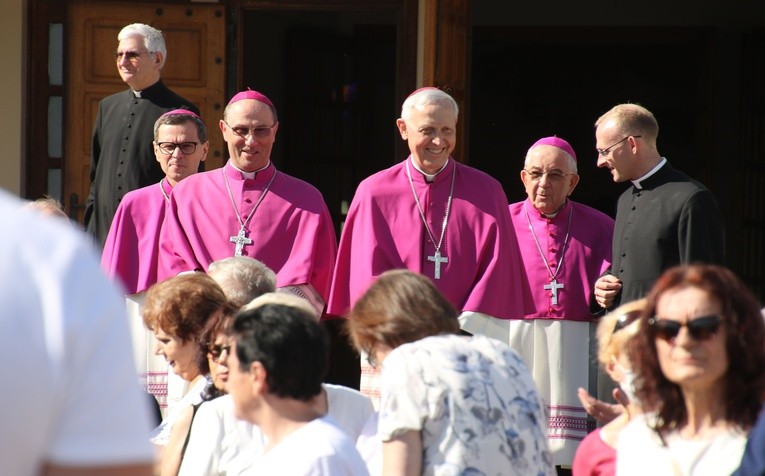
(216, 350)
(701, 328)
(626, 319)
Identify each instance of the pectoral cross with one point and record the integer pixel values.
(553, 287)
(438, 259)
(240, 240)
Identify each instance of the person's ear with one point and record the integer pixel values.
(401, 124)
(574, 181)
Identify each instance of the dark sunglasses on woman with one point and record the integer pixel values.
(701, 328)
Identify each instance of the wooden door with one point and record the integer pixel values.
(446, 59)
(195, 38)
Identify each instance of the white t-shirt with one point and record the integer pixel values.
(473, 401)
(220, 442)
(639, 451)
(161, 434)
(318, 448)
(70, 394)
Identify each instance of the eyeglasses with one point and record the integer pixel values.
(553, 176)
(257, 132)
(701, 328)
(216, 350)
(131, 56)
(169, 147)
(607, 150)
(626, 319)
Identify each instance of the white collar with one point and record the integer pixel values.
(661, 163)
(249, 175)
(429, 178)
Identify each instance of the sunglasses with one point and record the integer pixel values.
(701, 328)
(216, 350)
(626, 319)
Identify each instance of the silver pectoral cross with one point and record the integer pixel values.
(553, 288)
(438, 259)
(240, 240)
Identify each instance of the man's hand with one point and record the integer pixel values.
(602, 411)
(606, 289)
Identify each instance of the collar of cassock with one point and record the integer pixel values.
(637, 183)
(429, 178)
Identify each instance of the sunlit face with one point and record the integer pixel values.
(431, 132)
(688, 362)
(181, 356)
(248, 150)
(555, 181)
(620, 159)
(218, 368)
(177, 165)
(240, 386)
(138, 68)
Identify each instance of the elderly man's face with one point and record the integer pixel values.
(548, 178)
(249, 130)
(431, 135)
(137, 67)
(178, 165)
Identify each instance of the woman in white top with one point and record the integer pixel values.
(450, 404)
(177, 310)
(700, 361)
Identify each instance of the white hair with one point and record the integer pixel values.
(425, 97)
(153, 40)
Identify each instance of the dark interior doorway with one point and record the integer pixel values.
(332, 76)
(529, 83)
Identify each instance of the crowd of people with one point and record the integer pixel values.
(475, 318)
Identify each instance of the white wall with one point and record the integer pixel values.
(12, 86)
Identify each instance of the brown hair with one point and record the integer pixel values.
(744, 380)
(181, 306)
(400, 307)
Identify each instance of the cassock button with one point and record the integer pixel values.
(624, 254)
(130, 125)
(132, 114)
(552, 233)
(637, 194)
(126, 137)
(621, 270)
(552, 264)
(124, 150)
(247, 200)
(633, 207)
(119, 187)
(553, 250)
(122, 161)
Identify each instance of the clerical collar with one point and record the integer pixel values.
(137, 94)
(555, 214)
(429, 178)
(249, 175)
(637, 184)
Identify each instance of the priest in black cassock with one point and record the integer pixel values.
(122, 154)
(665, 218)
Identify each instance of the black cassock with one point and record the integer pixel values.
(122, 157)
(672, 220)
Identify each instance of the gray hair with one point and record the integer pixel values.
(153, 40)
(180, 119)
(571, 160)
(242, 279)
(425, 97)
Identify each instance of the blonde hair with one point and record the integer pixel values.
(281, 298)
(611, 344)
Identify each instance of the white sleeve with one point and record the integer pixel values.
(403, 396)
(203, 451)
